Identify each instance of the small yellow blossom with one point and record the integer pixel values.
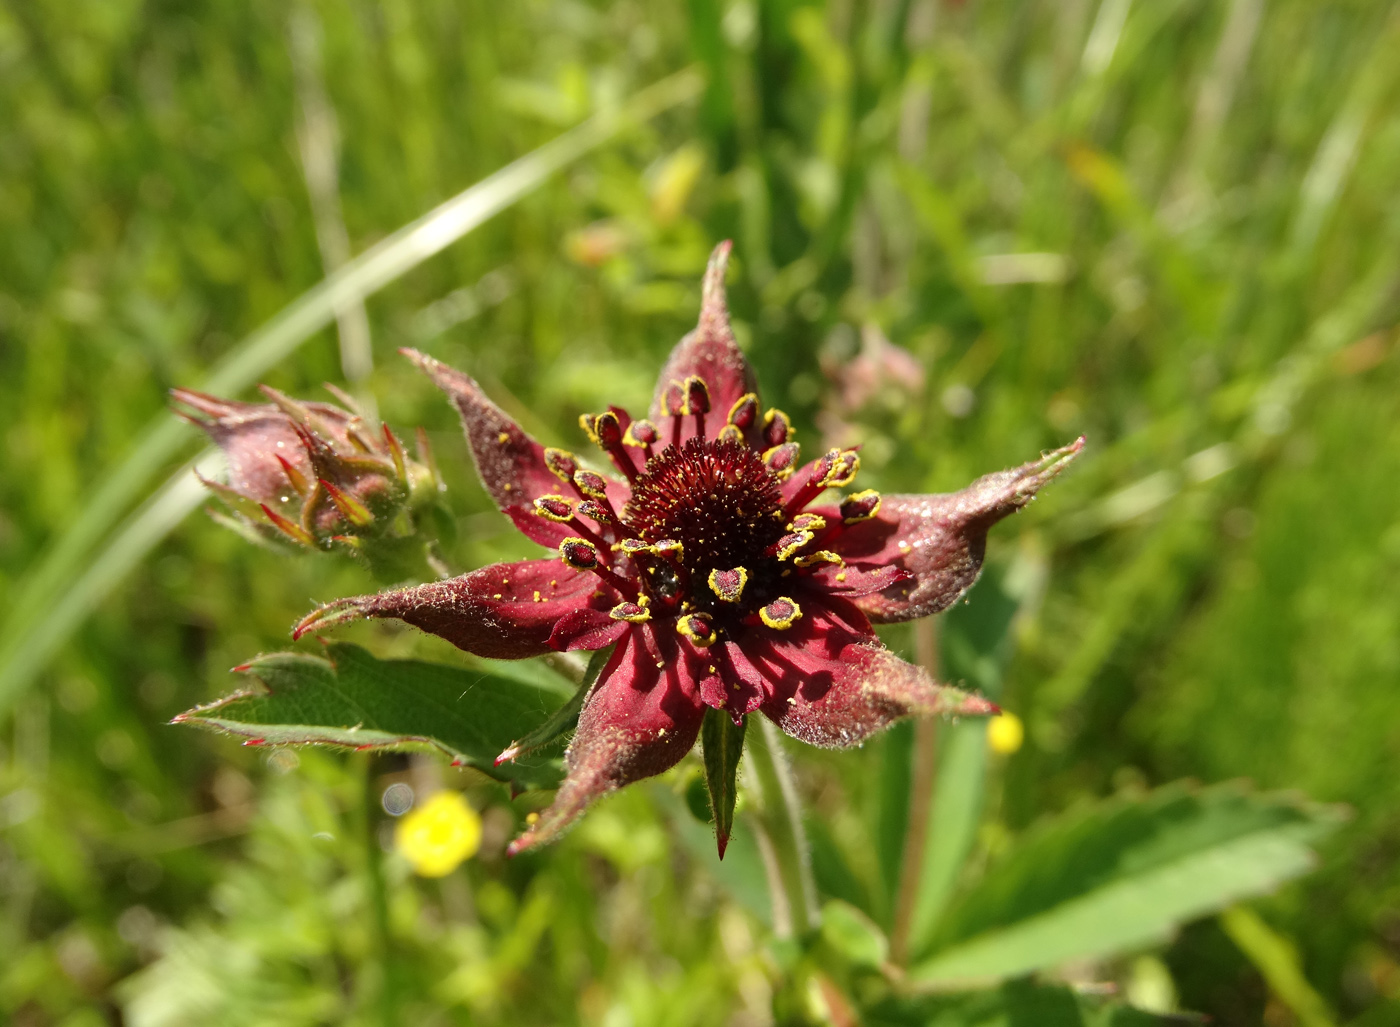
(439, 835)
(1005, 733)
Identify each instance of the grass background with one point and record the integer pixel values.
(1169, 225)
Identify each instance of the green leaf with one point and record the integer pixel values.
(1123, 874)
(723, 743)
(1016, 1004)
(352, 699)
(853, 935)
(563, 720)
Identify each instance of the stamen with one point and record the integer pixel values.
(554, 508)
(563, 463)
(697, 628)
(845, 471)
(641, 434)
(860, 506)
(781, 614)
(744, 412)
(807, 522)
(782, 460)
(789, 544)
(598, 512)
(697, 401)
(633, 546)
(606, 431)
(585, 421)
(591, 484)
(819, 477)
(729, 585)
(580, 554)
(673, 400)
(730, 433)
(670, 549)
(583, 555)
(777, 428)
(633, 613)
(820, 556)
(673, 405)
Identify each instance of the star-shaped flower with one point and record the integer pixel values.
(714, 564)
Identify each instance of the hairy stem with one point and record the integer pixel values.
(782, 839)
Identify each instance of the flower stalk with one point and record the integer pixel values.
(783, 839)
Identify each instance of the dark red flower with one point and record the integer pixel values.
(713, 564)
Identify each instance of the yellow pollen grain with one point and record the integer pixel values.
(503, 438)
(841, 576)
(791, 701)
(903, 546)
(661, 732)
(537, 596)
(496, 596)
(506, 487)
(532, 818)
(660, 664)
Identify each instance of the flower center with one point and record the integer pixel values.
(717, 498)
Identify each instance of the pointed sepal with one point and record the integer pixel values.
(722, 741)
(709, 354)
(939, 540)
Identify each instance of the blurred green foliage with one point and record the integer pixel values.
(1170, 225)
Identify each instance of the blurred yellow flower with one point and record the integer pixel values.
(1005, 733)
(437, 836)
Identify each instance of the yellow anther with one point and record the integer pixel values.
(781, 614)
(633, 613)
(844, 471)
(728, 585)
(554, 508)
(744, 412)
(860, 506)
(790, 544)
(807, 522)
(697, 628)
(822, 556)
(561, 463)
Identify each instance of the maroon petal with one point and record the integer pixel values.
(639, 721)
(506, 611)
(510, 462)
(709, 352)
(940, 539)
(586, 628)
(832, 688)
(853, 582)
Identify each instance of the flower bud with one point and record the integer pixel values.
(309, 473)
